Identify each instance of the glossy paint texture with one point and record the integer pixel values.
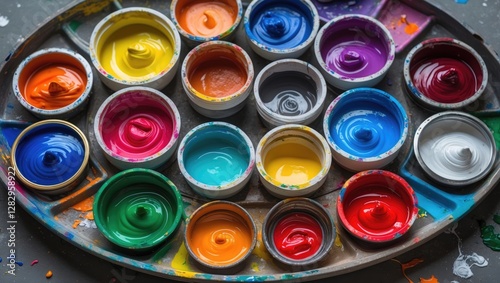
(288, 93)
(280, 24)
(206, 18)
(298, 236)
(135, 52)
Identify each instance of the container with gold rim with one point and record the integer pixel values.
(50, 156)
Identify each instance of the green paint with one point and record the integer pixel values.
(493, 124)
(496, 218)
(490, 239)
(73, 25)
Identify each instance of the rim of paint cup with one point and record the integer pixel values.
(232, 213)
(365, 27)
(272, 118)
(121, 104)
(46, 57)
(445, 48)
(451, 165)
(212, 106)
(356, 153)
(121, 19)
(366, 183)
(197, 141)
(36, 160)
(304, 141)
(192, 39)
(310, 208)
(273, 53)
(147, 204)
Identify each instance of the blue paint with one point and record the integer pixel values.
(367, 122)
(50, 154)
(10, 130)
(461, 1)
(280, 24)
(215, 156)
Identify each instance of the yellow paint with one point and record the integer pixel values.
(292, 164)
(260, 249)
(338, 242)
(430, 280)
(255, 267)
(135, 52)
(180, 260)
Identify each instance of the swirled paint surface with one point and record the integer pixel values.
(53, 86)
(298, 236)
(445, 80)
(288, 93)
(135, 52)
(137, 129)
(217, 74)
(365, 127)
(220, 238)
(459, 154)
(349, 50)
(206, 18)
(376, 210)
(292, 163)
(280, 24)
(215, 157)
(138, 214)
(50, 154)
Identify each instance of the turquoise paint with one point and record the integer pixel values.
(215, 157)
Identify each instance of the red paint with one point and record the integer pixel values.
(298, 236)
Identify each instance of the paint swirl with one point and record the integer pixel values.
(298, 236)
(220, 238)
(54, 86)
(288, 93)
(50, 156)
(137, 132)
(135, 52)
(445, 80)
(280, 25)
(206, 19)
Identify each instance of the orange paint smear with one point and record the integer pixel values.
(410, 264)
(85, 205)
(430, 280)
(410, 28)
(89, 215)
(54, 86)
(206, 18)
(217, 76)
(76, 223)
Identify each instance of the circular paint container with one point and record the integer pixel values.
(51, 156)
(366, 128)
(377, 206)
(200, 21)
(137, 127)
(217, 77)
(289, 91)
(220, 236)
(53, 83)
(293, 161)
(278, 29)
(135, 47)
(454, 148)
(298, 233)
(216, 159)
(138, 209)
(354, 51)
(444, 74)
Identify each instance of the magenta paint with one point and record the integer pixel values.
(329, 9)
(396, 16)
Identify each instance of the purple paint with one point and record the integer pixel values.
(354, 48)
(328, 10)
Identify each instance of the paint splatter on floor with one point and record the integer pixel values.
(4, 21)
(463, 263)
(461, 1)
(410, 264)
(430, 280)
(34, 262)
(490, 238)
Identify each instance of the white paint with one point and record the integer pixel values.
(463, 263)
(88, 224)
(3, 21)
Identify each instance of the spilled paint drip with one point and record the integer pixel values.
(4, 21)
(461, 267)
(461, 1)
(490, 239)
(405, 266)
(430, 280)
(34, 262)
(180, 260)
(410, 27)
(85, 219)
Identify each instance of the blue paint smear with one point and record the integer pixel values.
(20, 263)
(461, 1)
(10, 131)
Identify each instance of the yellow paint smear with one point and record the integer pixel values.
(180, 261)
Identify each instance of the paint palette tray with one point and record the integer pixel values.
(439, 206)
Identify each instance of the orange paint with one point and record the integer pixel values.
(89, 215)
(76, 223)
(53, 86)
(206, 18)
(217, 75)
(430, 280)
(407, 265)
(410, 28)
(85, 205)
(220, 238)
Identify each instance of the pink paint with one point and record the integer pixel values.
(139, 130)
